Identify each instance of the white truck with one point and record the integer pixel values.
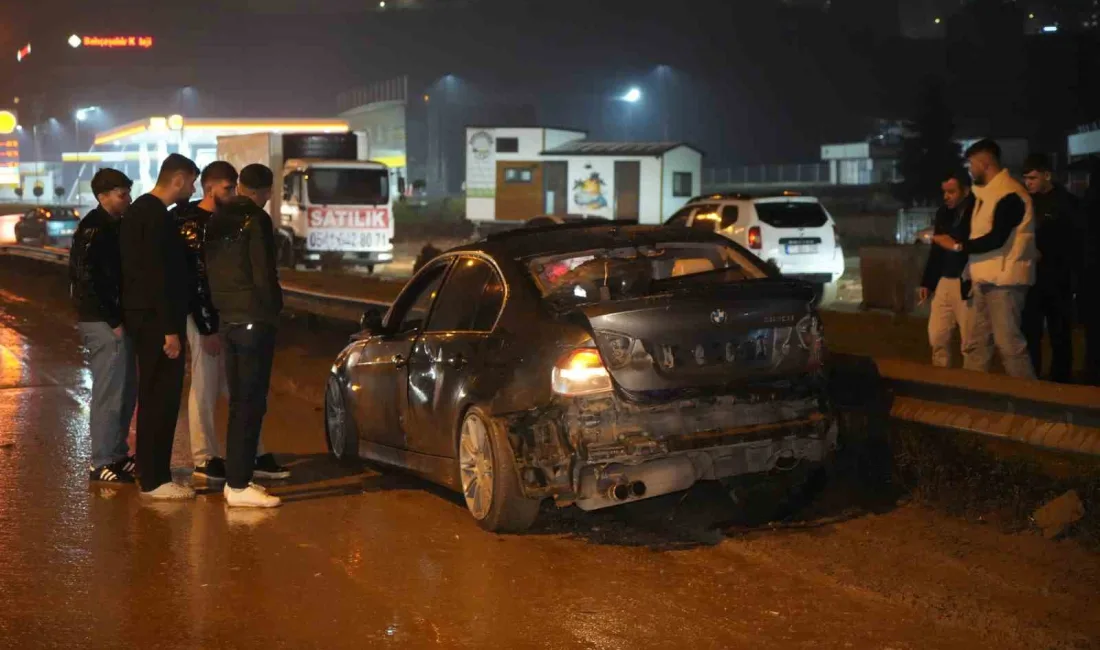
(329, 200)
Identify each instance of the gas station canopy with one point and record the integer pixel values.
(205, 131)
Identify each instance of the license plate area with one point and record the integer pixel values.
(800, 245)
(751, 349)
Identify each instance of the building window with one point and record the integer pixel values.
(507, 145)
(518, 175)
(681, 184)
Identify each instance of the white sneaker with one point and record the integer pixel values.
(170, 491)
(252, 496)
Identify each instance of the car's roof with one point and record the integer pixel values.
(728, 197)
(528, 242)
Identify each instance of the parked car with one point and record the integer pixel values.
(590, 363)
(50, 226)
(794, 233)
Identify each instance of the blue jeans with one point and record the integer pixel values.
(114, 391)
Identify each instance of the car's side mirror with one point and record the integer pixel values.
(371, 321)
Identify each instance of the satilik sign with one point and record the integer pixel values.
(371, 218)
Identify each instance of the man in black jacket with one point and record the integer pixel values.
(156, 293)
(95, 272)
(219, 186)
(943, 271)
(240, 257)
(1058, 234)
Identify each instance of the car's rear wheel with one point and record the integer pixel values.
(490, 484)
(340, 433)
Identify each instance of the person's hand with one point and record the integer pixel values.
(212, 345)
(945, 241)
(172, 346)
(923, 292)
(118, 332)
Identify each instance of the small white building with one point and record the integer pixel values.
(517, 173)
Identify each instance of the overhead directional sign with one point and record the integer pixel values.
(112, 42)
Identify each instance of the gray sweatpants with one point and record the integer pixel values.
(114, 391)
(995, 322)
(949, 310)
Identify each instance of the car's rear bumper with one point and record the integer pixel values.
(587, 450)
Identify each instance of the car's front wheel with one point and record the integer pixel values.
(490, 484)
(340, 433)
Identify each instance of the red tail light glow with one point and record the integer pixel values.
(756, 242)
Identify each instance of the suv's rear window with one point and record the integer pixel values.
(792, 214)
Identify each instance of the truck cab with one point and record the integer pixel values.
(336, 207)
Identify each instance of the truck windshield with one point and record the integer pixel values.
(348, 186)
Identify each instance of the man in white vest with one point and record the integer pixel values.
(1002, 259)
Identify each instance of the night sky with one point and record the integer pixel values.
(750, 82)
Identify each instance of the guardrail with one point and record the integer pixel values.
(1040, 414)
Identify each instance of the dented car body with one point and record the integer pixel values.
(589, 364)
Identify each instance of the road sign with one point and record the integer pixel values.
(112, 42)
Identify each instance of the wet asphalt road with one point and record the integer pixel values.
(360, 559)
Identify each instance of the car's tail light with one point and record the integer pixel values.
(756, 242)
(581, 372)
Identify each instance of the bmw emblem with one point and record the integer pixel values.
(718, 316)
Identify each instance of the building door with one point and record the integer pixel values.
(519, 191)
(555, 186)
(627, 189)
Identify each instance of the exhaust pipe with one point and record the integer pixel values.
(624, 491)
(619, 492)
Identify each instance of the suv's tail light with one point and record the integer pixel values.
(756, 242)
(581, 372)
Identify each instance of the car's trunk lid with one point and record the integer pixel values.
(707, 336)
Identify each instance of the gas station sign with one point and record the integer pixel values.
(9, 149)
(112, 42)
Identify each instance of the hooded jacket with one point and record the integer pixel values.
(240, 260)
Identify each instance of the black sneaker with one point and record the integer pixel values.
(129, 464)
(113, 473)
(211, 470)
(266, 467)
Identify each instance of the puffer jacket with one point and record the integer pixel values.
(191, 220)
(95, 269)
(240, 256)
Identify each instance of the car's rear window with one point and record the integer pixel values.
(792, 214)
(598, 275)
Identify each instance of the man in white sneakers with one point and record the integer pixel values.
(240, 255)
(1002, 260)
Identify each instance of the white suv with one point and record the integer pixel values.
(796, 233)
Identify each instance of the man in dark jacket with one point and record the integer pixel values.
(95, 272)
(219, 186)
(1050, 300)
(156, 294)
(943, 271)
(240, 256)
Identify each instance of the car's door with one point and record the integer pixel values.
(450, 357)
(379, 376)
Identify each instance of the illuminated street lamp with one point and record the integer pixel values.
(632, 96)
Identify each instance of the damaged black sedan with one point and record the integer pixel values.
(593, 364)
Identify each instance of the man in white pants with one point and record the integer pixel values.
(1002, 258)
(208, 377)
(944, 270)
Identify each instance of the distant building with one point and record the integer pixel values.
(519, 173)
(417, 127)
